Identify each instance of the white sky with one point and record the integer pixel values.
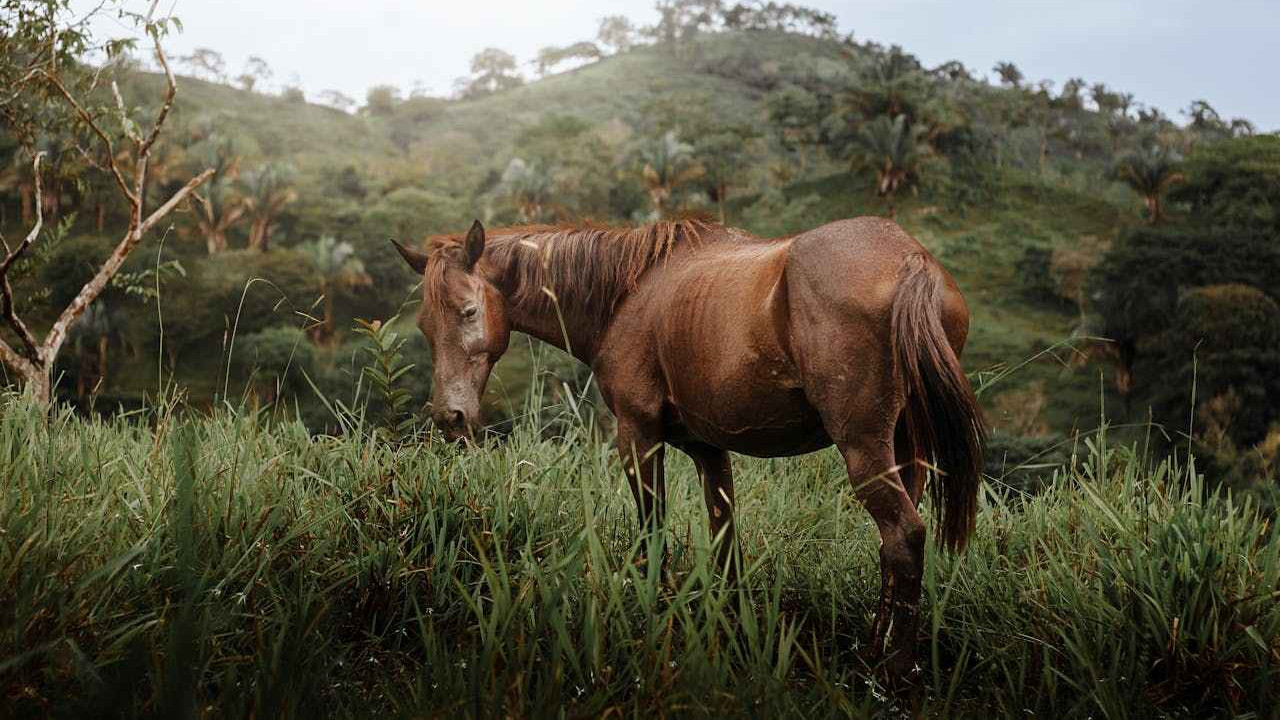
(1166, 52)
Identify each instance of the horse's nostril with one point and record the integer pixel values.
(456, 417)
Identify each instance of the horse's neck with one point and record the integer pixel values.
(576, 335)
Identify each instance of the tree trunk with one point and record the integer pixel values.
(322, 334)
(103, 346)
(27, 194)
(328, 314)
(1155, 213)
(264, 241)
(258, 233)
(216, 241)
(40, 388)
(1044, 150)
(102, 216)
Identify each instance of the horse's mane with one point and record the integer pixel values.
(586, 269)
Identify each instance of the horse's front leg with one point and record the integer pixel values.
(642, 451)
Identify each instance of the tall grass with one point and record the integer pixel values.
(232, 566)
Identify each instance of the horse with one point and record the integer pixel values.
(713, 341)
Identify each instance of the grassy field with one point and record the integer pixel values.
(233, 565)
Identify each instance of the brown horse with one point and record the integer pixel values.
(713, 341)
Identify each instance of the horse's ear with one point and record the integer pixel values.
(474, 245)
(416, 258)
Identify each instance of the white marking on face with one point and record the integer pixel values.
(473, 326)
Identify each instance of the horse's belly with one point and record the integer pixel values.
(775, 425)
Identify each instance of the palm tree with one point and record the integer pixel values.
(338, 269)
(1009, 74)
(895, 149)
(220, 206)
(529, 187)
(893, 84)
(668, 164)
(1150, 171)
(91, 340)
(267, 189)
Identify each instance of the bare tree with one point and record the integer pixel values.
(207, 64)
(336, 99)
(616, 32)
(256, 70)
(33, 359)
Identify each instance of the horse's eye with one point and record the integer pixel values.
(469, 312)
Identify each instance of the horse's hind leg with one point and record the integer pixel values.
(869, 461)
(716, 473)
(861, 418)
(910, 468)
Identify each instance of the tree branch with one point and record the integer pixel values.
(173, 202)
(24, 367)
(93, 125)
(171, 89)
(92, 289)
(6, 290)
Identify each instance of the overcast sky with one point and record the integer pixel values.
(1167, 53)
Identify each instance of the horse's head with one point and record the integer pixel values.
(464, 318)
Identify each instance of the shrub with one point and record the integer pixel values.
(1024, 464)
(277, 358)
(1224, 338)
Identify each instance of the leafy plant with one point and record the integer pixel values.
(384, 370)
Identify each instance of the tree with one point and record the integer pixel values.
(256, 70)
(206, 63)
(1234, 183)
(1009, 74)
(492, 70)
(681, 20)
(336, 100)
(90, 341)
(411, 212)
(1150, 170)
(725, 153)
(1224, 338)
(669, 164)
(45, 81)
(895, 149)
(892, 84)
(617, 33)
(1071, 96)
(781, 17)
(565, 171)
(220, 205)
(267, 189)
(1136, 287)
(796, 115)
(529, 187)
(550, 57)
(337, 268)
(952, 70)
(381, 100)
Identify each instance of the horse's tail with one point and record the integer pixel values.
(942, 417)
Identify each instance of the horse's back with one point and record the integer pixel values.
(710, 326)
(738, 335)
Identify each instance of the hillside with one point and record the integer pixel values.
(428, 165)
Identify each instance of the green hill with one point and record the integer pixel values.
(427, 165)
